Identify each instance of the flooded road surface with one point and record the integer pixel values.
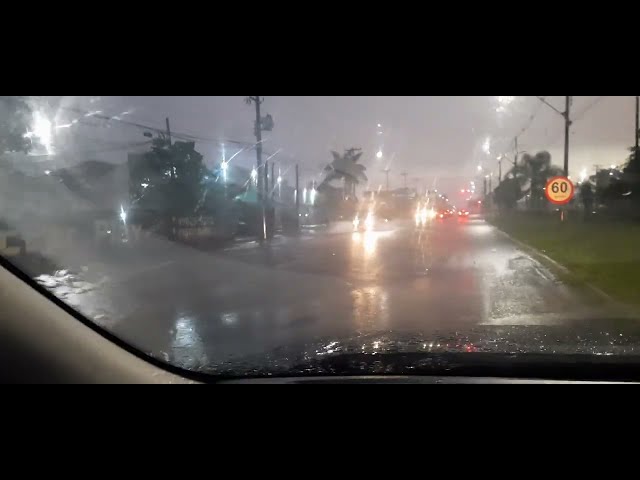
(192, 307)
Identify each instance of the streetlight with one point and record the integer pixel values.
(225, 166)
(42, 130)
(486, 146)
(504, 102)
(379, 154)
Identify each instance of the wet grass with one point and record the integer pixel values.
(604, 254)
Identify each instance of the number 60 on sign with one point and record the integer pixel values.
(559, 190)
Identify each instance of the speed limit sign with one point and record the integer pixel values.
(559, 190)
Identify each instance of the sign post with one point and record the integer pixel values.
(560, 191)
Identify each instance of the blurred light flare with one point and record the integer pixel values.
(486, 146)
(42, 130)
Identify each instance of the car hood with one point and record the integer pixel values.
(397, 353)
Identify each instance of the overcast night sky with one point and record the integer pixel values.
(428, 137)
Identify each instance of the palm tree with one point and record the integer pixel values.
(532, 174)
(346, 167)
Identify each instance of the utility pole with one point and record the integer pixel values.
(567, 127)
(567, 131)
(386, 171)
(257, 101)
(168, 132)
(258, 133)
(273, 180)
(297, 197)
(637, 152)
(169, 142)
(404, 175)
(500, 171)
(260, 125)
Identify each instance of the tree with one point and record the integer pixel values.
(15, 117)
(587, 197)
(529, 176)
(168, 180)
(346, 167)
(537, 170)
(507, 194)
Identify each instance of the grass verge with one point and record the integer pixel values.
(605, 255)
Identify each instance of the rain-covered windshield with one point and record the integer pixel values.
(216, 233)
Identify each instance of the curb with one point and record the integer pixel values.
(545, 259)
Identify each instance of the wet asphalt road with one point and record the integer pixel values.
(192, 307)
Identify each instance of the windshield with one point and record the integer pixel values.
(253, 235)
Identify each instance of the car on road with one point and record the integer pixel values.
(11, 242)
(444, 214)
(329, 272)
(365, 220)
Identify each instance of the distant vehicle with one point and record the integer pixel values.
(442, 214)
(11, 243)
(463, 213)
(365, 220)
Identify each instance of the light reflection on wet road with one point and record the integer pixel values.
(192, 307)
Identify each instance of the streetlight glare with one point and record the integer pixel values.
(486, 146)
(225, 167)
(379, 154)
(42, 129)
(583, 175)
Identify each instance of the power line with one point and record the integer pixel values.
(180, 135)
(587, 108)
(142, 126)
(105, 149)
(557, 137)
(531, 120)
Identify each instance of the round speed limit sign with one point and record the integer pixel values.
(559, 190)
